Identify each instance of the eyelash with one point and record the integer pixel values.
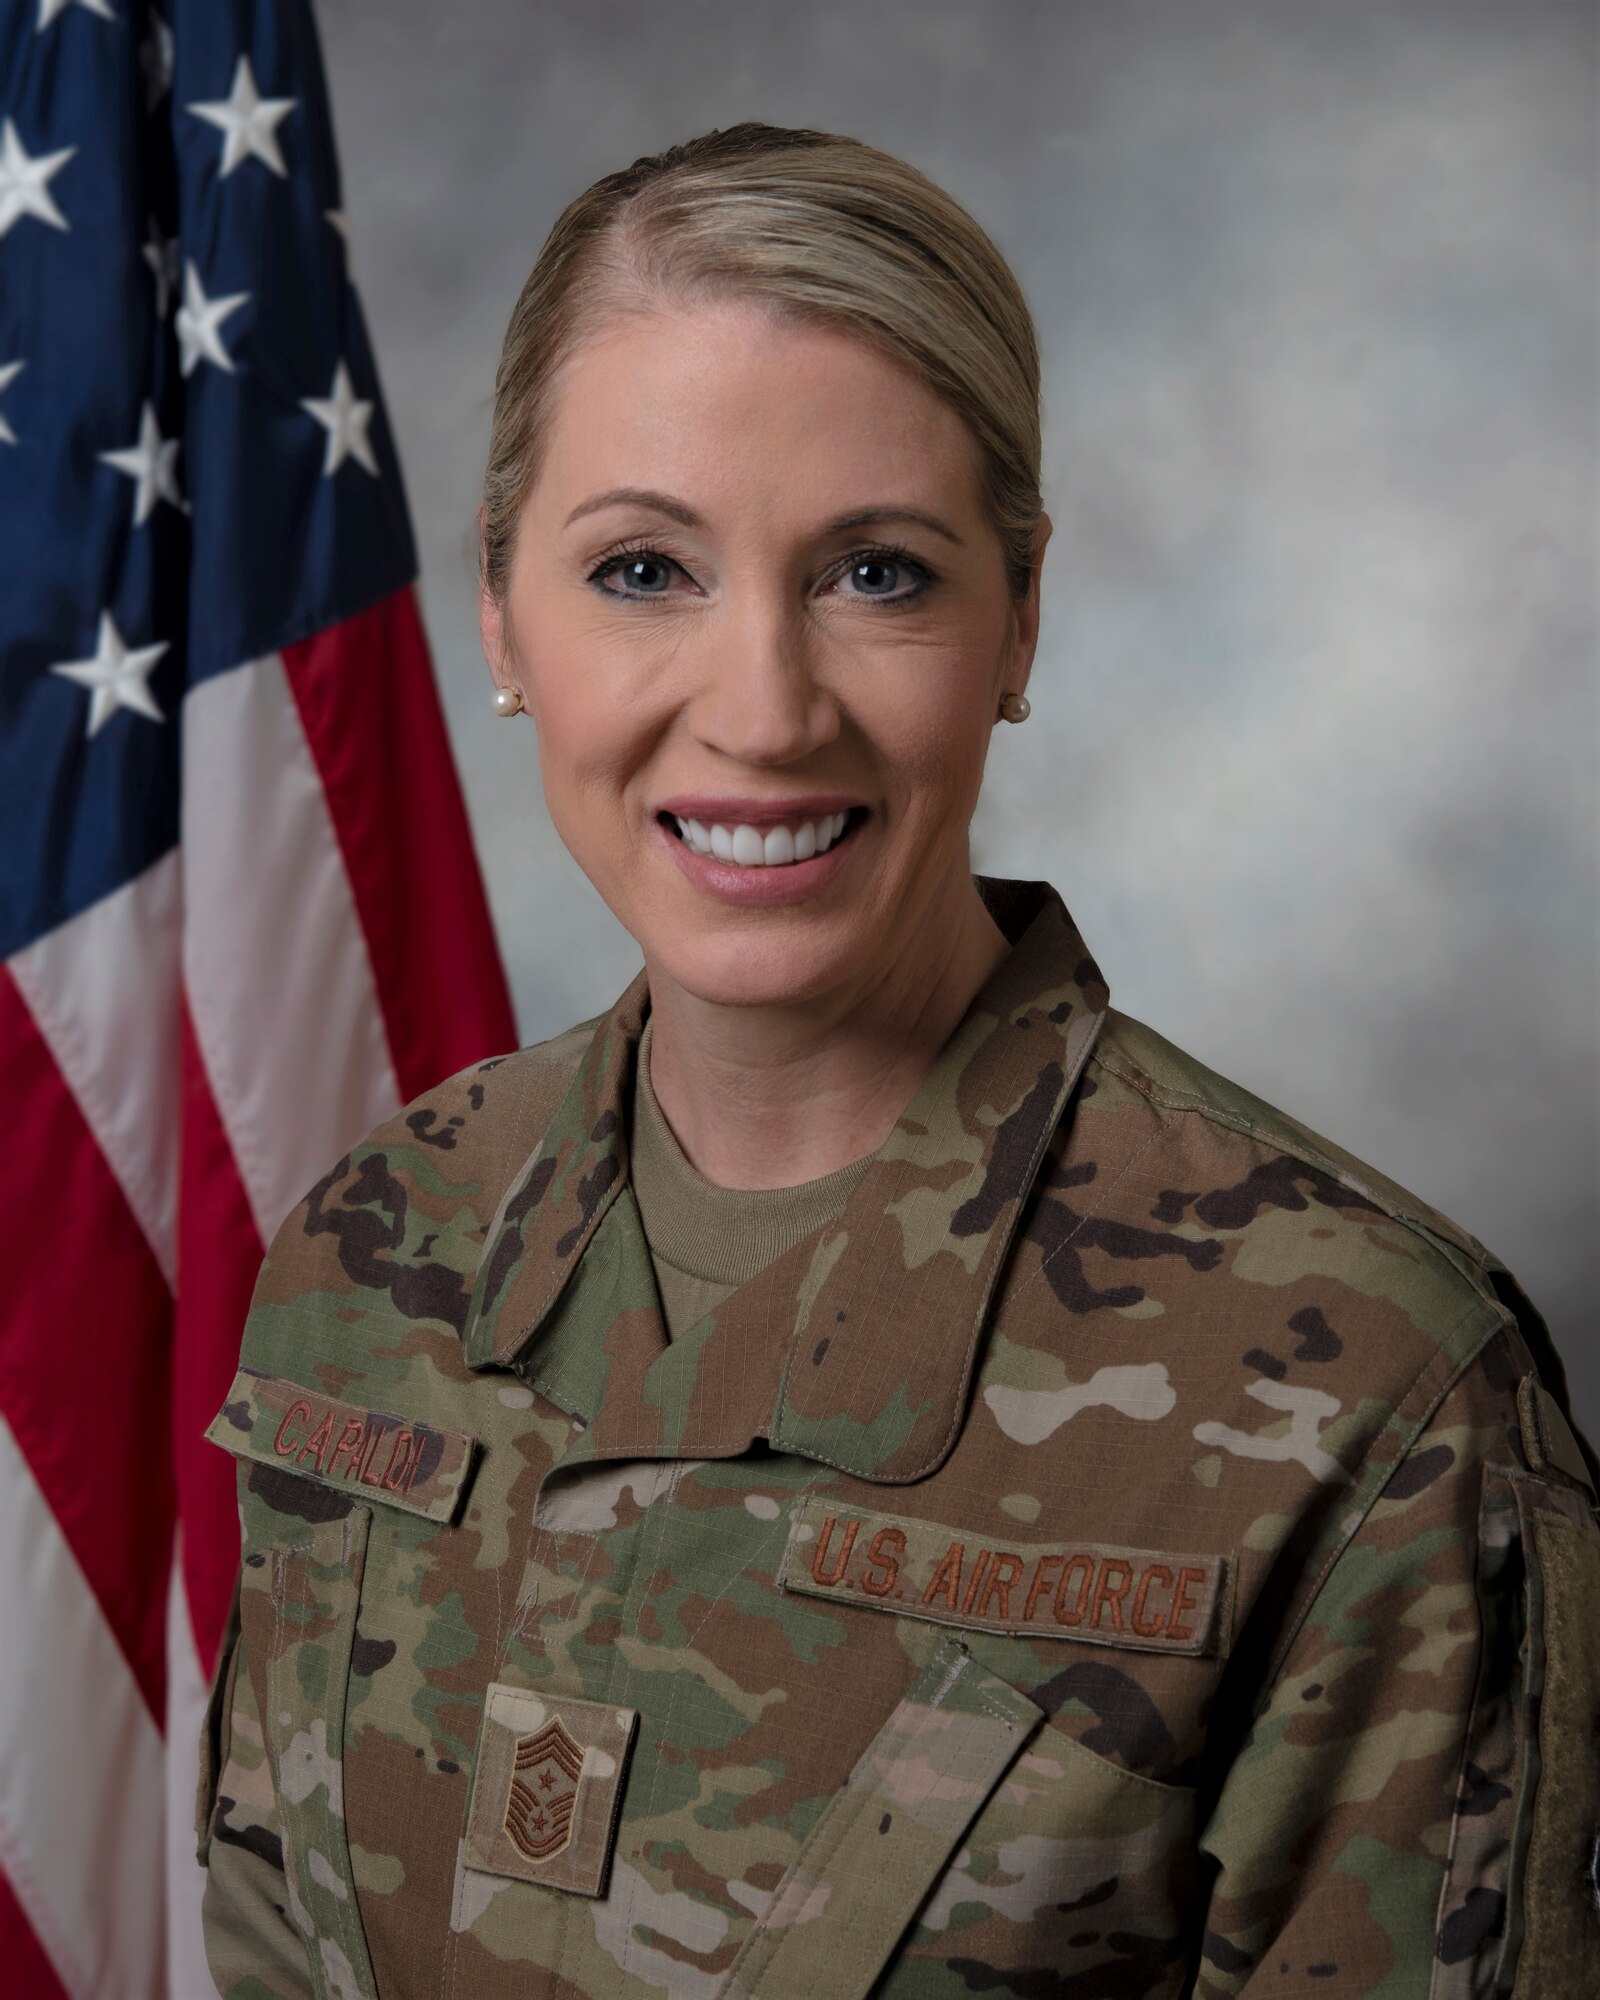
(879, 552)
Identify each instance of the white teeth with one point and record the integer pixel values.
(749, 847)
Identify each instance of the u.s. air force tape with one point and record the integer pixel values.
(399, 1461)
(1065, 1590)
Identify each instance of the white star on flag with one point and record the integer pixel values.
(8, 374)
(151, 464)
(116, 677)
(49, 9)
(248, 121)
(345, 418)
(155, 59)
(161, 254)
(197, 321)
(25, 179)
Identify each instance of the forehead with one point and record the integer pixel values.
(726, 401)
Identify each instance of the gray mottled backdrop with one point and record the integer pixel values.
(1313, 753)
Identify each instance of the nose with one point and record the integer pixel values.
(759, 700)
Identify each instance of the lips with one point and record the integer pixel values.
(756, 852)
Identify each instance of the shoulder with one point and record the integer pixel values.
(1336, 1285)
(385, 1247)
(1261, 1161)
(1286, 1318)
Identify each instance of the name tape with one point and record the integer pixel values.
(397, 1460)
(1063, 1590)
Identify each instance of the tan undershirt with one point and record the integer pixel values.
(706, 1241)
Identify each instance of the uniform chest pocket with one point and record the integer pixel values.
(976, 1837)
(312, 1597)
(1075, 1865)
(880, 1844)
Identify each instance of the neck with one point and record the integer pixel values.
(771, 1096)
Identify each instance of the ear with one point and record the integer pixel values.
(1026, 613)
(491, 634)
(491, 620)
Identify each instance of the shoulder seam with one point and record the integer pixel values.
(1166, 1098)
(1499, 1322)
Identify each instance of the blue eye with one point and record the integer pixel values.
(881, 577)
(646, 573)
(875, 577)
(639, 566)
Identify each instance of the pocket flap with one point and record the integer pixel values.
(880, 1843)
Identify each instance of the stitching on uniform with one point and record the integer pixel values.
(1169, 1098)
(447, 1963)
(648, 1550)
(773, 1528)
(274, 1666)
(822, 1842)
(994, 1252)
(997, 1248)
(1089, 1214)
(524, 1610)
(958, 1666)
(847, 1820)
(1475, 1707)
(1450, 1369)
(566, 1928)
(1060, 1740)
(871, 1352)
(661, 1501)
(355, 1935)
(601, 1209)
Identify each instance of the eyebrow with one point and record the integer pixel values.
(675, 510)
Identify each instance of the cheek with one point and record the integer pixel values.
(930, 728)
(590, 735)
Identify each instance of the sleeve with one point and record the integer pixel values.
(1416, 1806)
(252, 1946)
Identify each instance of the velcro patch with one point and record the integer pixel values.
(399, 1461)
(547, 1788)
(1036, 1590)
(1547, 1437)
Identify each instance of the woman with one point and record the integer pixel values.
(862, 1468)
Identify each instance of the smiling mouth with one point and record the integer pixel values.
(776, 845)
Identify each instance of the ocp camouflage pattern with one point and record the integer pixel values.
(1094, 1317)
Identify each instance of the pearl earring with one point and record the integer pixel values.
(1015, 707)
(507, 701)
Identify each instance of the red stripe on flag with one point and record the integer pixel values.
(85, 1347)
(29, 1975)
(371, 714)
(219, 1253)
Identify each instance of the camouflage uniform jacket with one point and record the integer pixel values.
(1133, 1550)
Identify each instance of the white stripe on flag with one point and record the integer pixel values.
(188, 1973)
(279, 979)
(103, 990)
(82, 1784)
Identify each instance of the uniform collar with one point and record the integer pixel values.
(887, 1308)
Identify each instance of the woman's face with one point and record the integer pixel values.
(762, 626)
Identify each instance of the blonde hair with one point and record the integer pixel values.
(819, 228)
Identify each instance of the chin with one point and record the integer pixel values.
(725, 969)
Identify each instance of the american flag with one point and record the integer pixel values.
(240, 913)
